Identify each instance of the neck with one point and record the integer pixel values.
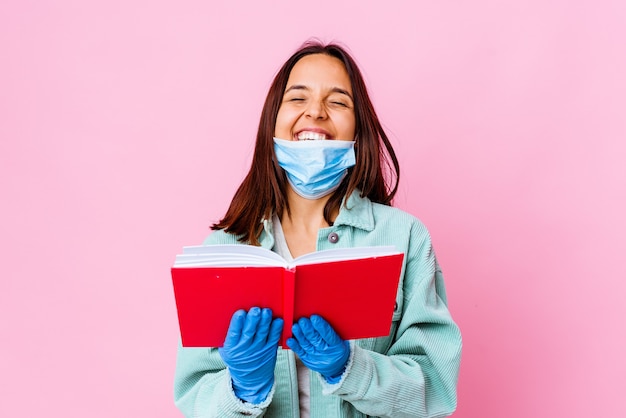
(304, 213)
(303, 222)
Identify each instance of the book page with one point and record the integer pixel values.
(228, 255)
(338, 254)
(247, 255)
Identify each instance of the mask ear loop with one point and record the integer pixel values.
(357, 150)
(281, 178)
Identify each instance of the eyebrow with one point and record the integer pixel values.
(333, 90)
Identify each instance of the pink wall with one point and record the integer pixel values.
(126, 126)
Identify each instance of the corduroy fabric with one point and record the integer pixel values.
(412, 372)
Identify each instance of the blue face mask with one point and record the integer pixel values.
(315, 168)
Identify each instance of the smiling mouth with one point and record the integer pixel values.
(311, 136)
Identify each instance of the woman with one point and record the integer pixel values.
(317, 182)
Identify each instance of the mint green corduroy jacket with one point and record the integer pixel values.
(412, 372)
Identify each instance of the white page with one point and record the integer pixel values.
(228, 255)
(231, 255)
(225, 260)
(344, 254)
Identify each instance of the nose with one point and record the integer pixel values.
(316, 109)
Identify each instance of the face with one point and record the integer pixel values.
(317, 103)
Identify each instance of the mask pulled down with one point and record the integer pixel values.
(315, 168)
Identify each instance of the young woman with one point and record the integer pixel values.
(323, 176)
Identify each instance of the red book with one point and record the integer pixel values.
(354, 289)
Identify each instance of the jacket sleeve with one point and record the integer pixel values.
(202, 387)
(417, 376)
(202, 384)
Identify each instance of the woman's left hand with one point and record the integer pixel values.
(319, 347)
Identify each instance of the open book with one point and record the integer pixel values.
(354, 289)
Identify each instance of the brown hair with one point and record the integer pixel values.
(263, 191)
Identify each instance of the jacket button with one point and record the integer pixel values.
(333, 237)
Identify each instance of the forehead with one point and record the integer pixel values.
(320, 70)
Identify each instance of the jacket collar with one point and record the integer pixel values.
(267, 236)
(357, 212)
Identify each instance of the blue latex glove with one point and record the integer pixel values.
(319, 347)
(250, 351)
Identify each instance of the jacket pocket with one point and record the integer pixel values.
(382, 344)
(395, 321)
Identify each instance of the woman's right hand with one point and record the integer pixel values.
(250, 351)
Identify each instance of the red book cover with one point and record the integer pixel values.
(353, 289)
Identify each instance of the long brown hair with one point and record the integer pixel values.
(263, 191)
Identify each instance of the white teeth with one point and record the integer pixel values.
(310, 136)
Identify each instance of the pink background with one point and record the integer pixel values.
(126, 126)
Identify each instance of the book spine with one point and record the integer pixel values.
(289, 292)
